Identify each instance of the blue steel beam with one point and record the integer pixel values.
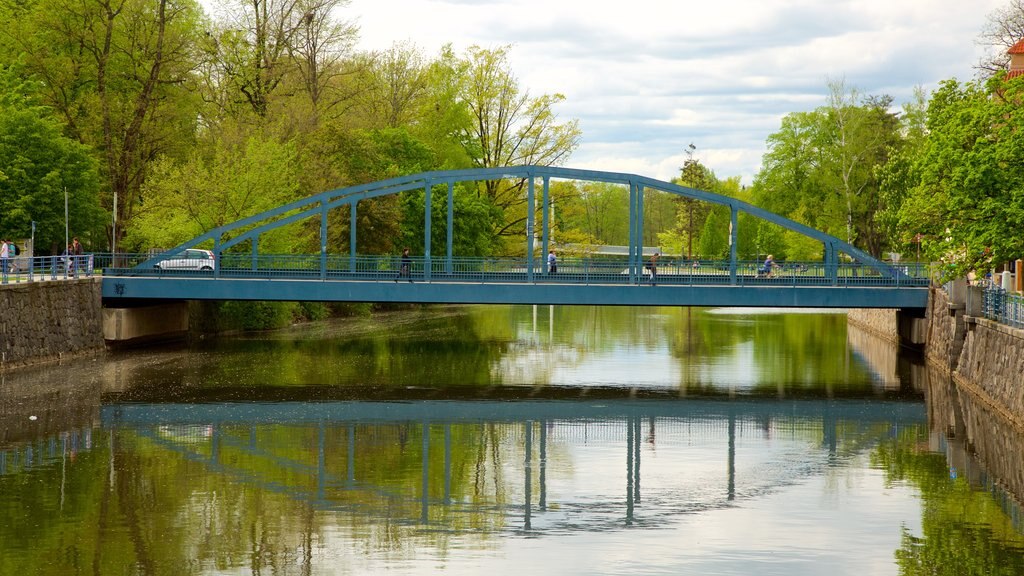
(228, 236)
(128, 415)
(126, 289)
(395, 185)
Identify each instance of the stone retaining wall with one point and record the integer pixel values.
(984, 358)
(947, 329)
(48, 320)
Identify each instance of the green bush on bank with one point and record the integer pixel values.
(216, 317)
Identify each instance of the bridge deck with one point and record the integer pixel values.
(766, 293)
(511, 281)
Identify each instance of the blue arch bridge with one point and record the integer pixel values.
(845, 277)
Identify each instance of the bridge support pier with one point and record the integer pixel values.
(145, 324)
(912, 327)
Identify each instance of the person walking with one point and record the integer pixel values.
(405, 266)
(652, 266)
(76, 251)
(5, 253)
(552, 262)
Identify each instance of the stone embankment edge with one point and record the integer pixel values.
(983, 357)
(49, 320)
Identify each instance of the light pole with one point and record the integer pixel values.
(65, 217)
(113, 231)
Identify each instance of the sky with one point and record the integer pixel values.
(647, 78)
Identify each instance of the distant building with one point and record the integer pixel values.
(1016, 53)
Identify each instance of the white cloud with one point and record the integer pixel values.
(647, 78)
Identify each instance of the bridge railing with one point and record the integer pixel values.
(510, 269)
(20, 269)
(1002, 306)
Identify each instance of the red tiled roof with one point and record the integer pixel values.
(1017, 48)
(1014, 73)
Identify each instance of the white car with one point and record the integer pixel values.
(190, 259)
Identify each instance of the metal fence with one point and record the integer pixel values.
(509, 269)
(571, 270)
(20, 269)
(1003, 306)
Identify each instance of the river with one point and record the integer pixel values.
(508, 440)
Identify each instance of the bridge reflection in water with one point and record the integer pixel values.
(526, 465)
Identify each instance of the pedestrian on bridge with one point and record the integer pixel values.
(405, 266)
(552, 262)
(652, 265)
(5, 252)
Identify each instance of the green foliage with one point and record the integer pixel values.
(823, 166)
(233, 181)
(968, 193)
(594, 209)
(313, 311)
(242, 315)
(37, 165)
(119, 77)
(473, 219)
(714, 239)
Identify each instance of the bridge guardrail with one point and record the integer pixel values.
(1002, 306)
(510, 269)
(20, 269)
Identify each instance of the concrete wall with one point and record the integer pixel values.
(48, 320)
(881, 322)
(896, 326)
(127, 326)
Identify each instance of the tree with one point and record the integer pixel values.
(822, 166)
(511, 128)
(233, 181)
(319, 46)
(1003, 28)
(693, 213)
(968, 196)
(117, 72)
(392, 87)
(897, 175)
(39, 167)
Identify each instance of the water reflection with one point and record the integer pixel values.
(471, 441)
(213, 481)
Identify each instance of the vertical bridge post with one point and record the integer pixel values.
(427, 193)
(451, 223)
(732, 244)
(529, 228)
(352, 236)
(323, 240)
(544, 225)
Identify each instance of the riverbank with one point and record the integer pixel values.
(47, 321)
(983, 357)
